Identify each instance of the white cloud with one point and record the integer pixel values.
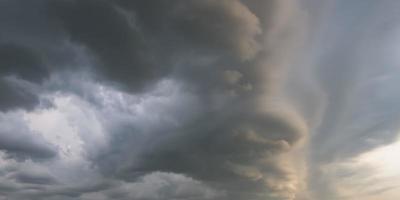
(372, 175)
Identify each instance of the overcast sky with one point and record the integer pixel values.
(199, 100)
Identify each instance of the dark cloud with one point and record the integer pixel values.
(136, 43)
(22, 63)
(199, 42)
(13, 97)
(218, 27)
(107, 33)
(239, 151)
(187, 99)
(229, 133)
(41, 179)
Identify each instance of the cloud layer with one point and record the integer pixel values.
(192, 100)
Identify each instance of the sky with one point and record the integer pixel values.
(199, 100)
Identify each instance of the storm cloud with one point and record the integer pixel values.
(192, 99)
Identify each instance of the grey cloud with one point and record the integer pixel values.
(14, 97)
(105, 31)
(73, 191)
(228, 148)
(229, 60)
(136, 43)
(153, 186)
(51, 192)
(200, 24)
(32, 178)
(158, 185)
(22, 63)
(348, 78)
(18, 141)
(239, 153)
(360, 113)
(227, 141)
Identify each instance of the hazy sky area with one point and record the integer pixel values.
(199, 99)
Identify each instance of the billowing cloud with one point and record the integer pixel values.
(189, 99)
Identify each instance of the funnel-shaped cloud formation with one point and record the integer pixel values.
(190, 99)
